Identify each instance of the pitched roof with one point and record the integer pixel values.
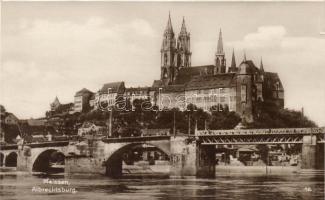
(247, 67)
(115, 87)
(83, 91)
(173, 88)
(207, 82)
(185, 74)
(56, 101)
(136, 89)
(92, 96)
(9, 114)
(157, 84)
(271, 79)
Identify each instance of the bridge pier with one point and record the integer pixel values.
(308, 153)
(206, 161)
(114, 167)
(24, 162)
(188, 158)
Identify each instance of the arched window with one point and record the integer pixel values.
(165, 59)
(165, 75)
(218, 62)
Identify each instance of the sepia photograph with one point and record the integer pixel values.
(162, 100)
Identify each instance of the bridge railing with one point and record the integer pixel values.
(302, 131)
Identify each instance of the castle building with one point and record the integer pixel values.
(211, 86)
(59, 109)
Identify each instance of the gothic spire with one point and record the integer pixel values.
(183, 29)
(169, 27)
(261, 66)
(233, 59)
(244, 55)
(220, 45)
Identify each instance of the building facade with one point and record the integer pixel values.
(82, 99)
(107, 96)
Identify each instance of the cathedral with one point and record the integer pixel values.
(237, 87)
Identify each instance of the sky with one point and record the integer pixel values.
(57, 48)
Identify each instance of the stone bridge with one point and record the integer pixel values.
(105, 155)
(189, 155)
(33, 156)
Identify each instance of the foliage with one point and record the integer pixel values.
(223, 118)
(268, 115)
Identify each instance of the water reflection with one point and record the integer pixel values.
(250, 187)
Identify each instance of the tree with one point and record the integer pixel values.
(223, 118)
(268, 115)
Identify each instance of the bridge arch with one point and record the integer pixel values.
(11, 159)
(43, 161)
(114, 160)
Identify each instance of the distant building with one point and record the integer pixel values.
(82, 99)
(58, 109)
(9, 126)
(107, 95)
(55, 104)
(91, 128)
(10, 118)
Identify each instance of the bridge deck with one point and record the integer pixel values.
(36, 145)
(136, 139)
(281, 131)
(240, 136)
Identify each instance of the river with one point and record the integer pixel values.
(251, 187)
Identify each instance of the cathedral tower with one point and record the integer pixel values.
(168, 52)
(220, 59)
(183, 58)
(233, 67)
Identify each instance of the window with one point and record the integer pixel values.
(165, 75)
(243, 93)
